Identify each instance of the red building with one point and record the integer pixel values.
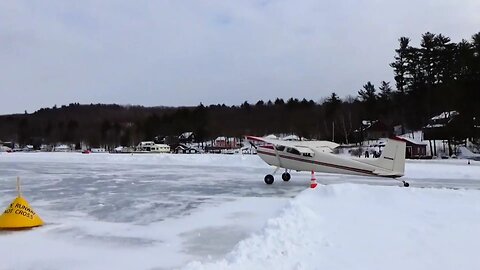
(226, 143)
(414, 149)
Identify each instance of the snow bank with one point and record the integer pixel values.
(366, 227)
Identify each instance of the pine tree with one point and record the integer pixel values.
(369, 99)
(428, 58)
(400, 64)
(445, 58)
(332, 105)
(368, 94)
(385, 91)
(463, 58)
(476, 54)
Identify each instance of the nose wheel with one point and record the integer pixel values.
(405, 184)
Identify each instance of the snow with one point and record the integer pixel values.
(164, 211)
(291, 138)
(442, 119)
(413, 140)
(365, 227)
(416, 135)
(435, 125)
(271, 136)
(122, 211)
(186, 135)
(445, 115)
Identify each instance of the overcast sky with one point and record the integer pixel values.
(185, 52)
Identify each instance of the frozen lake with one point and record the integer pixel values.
(105, 211)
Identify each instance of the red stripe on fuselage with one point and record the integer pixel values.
(319, 163)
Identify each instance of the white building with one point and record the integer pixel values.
(152, 147)
(62, 148)
(5, 149)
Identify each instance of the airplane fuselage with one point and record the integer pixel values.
(314, 160)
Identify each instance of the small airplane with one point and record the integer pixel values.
(317, 156)
(467, 154)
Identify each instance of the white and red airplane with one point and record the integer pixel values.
(317, 156)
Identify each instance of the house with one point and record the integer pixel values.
(119, 149)
(5, 148)
(186, 137)
(10, 145)
(28, 148)
(62, 148)
(451, 125)
(414, 149)
(152, 147)
(372, 130)
(226, 143)
(46, 148)
(123, 149)
(160, 139)
(250, 150)
(184, 149)
(375, 130)
(221, 143)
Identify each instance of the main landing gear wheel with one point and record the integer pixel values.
(268, 179)
(286, 176)
(405, 184)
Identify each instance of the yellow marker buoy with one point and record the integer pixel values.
(19, 214)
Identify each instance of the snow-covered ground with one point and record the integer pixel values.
(365, 227)
(106, 211)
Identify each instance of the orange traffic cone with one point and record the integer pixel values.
(19, 214)
(313, 181)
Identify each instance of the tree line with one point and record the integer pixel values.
(437, 76)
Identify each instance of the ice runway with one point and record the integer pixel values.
(179, 207)
(106, 211)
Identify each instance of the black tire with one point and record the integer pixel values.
(406, 184)
(269, 179)
(286, 176)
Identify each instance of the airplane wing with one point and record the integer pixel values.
(323, 146)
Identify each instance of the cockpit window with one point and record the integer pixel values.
(293, 151)
(280, 147)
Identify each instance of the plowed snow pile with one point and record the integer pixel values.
(351, 226)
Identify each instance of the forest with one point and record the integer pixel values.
(437, 76)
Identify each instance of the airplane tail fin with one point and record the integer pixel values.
(392, 159)
(465, 152)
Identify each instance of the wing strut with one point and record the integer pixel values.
(277, 155)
